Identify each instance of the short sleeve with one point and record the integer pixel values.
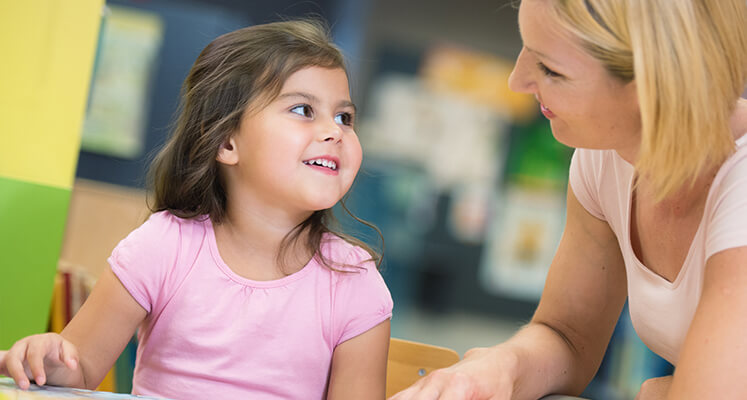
(727, 210)
(582, 179)
(144, 261)
(363, 299)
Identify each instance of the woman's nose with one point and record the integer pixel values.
(520, 79)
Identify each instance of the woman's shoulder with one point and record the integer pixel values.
(726, 207)
(732, 174)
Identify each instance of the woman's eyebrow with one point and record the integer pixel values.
(541, 54)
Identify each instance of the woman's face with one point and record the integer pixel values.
(587, 107)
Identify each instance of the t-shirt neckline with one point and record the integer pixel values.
(246, 281)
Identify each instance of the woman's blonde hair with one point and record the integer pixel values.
(689, 62)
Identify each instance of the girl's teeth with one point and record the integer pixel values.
(324, 163)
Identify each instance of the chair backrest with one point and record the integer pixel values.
(409, 361)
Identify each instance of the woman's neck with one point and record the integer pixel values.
(689, 198)
(684, 202)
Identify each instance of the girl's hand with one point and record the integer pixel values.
(655, 388)
(483, 374)
(46, 357)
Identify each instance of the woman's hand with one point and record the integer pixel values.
(655, 388)
(484, 373)
(46, 357)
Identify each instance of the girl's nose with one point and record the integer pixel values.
(520, 79)
(330, 132)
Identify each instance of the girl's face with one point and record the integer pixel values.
(299, 153)
(587, 107)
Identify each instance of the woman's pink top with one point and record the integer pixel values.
(661, 311)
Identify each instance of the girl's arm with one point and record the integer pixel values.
(88, 346)
(712, 360)
(359, 366)
(560, 350)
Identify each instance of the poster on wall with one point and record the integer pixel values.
(128, 49)
(522, 242)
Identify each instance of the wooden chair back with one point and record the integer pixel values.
(409, 361)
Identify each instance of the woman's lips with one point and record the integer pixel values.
(546, 112)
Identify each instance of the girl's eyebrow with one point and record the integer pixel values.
(313, 99)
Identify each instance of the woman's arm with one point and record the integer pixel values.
(560, 350)
(584, 293)
(88, 346)
(359, 366)
(712, 360)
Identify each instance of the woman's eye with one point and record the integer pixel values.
(303, 110)
(344, 118)
(547, 71)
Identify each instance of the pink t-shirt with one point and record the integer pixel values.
(661, 311)
(211, 333)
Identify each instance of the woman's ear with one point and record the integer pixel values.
(228, 153)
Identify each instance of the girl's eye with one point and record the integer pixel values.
(547, 71)
(303, 110)
(344, 119)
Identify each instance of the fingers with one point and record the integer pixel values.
(428, 392)
(35, 355)
(427, 388)
(43, 350)
(68, 355)
(417, 392)
(3, 371)
(458, 389)
(447, 384)
(31, 357)
(13, 361)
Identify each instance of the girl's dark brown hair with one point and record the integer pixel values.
(241, 71)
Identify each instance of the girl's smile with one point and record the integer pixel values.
(325, 164)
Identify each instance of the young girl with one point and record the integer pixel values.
(237, 284)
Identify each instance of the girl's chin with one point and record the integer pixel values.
(323, 205)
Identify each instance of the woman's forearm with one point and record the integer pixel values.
(546, 362)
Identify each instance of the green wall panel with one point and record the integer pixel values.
(32, 223)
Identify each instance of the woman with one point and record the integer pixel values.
(648, 92)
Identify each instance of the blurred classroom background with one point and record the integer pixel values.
(461, 175)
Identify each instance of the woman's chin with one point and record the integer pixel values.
(561, 134)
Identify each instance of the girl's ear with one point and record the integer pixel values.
(228, 153)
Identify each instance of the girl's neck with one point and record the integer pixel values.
(249, 243)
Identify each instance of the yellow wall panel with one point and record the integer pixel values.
(48, 48)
